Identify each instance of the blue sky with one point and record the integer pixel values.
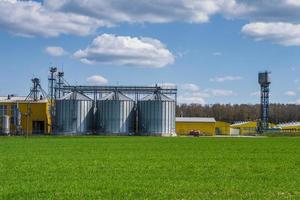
(214, 59)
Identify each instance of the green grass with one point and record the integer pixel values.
(149, 168)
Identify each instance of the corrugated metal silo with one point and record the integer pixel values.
(156, 115)
(74, 114)
(115, 115)
(5, 120)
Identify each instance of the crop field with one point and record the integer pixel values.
(149, 168)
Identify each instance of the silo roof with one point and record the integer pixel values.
(196, 119)
(76, 96)
(157, 96)
(116, 96)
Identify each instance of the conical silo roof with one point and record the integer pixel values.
(116, 96)
(156, 96)
(76, 96)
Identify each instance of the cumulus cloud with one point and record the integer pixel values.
(137, 11)
(226, 78)
(30, 18)
(192, 93)
(97, 80)
(54, 17)
(125, 50)
(266, 11)
(190, 87)
(290, 93)
(277, 20)
(55, 51)
(286, 34)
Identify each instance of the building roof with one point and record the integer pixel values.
(291, 124)
(157, 96)
(76, 96)
(241, 123)
(195, 119)
(116, 96)
(15, 99)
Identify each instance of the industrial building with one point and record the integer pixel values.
(24, 115)
(222, 128)
(115, 110)
(246, 128)
(115, 115)
(73, 114)
(205, 126)
(292, 126)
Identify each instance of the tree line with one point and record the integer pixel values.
(279, 113)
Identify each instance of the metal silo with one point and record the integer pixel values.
(5, 121)
(156, 115)
(115, 115)
(74, 114)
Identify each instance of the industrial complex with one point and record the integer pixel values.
(116, 110)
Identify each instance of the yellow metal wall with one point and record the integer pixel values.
(38, 111)
(222, 128)
(184, 128)
(249, 128)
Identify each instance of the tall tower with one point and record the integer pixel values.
(264, 82)
(60, 84)
(52, 82)
(36, 90)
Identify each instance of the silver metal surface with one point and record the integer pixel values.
(115, 115)
(5, 121)
(74, 114)
(156, 115)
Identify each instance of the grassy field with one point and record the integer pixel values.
(149, 168)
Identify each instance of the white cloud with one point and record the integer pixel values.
(255, 94)
(55, 51)
(290, 93)
(297, 102)
(219, 92)
(145, 11)
(166, 85)
(30, 18)
(125, 50)
(97, 80)
(190, 99)
(217, 54)
(286, 34)
(226, 78)
(293, 2)
(191, 93)
(190, 87)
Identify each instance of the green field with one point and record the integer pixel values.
(149, 168)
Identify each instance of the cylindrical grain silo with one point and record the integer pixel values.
(5, 121)
(156, 115)
(115, 115)
(74, 114)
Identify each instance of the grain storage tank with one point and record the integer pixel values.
(156, 115)
(74, 114)
(115, 115)
(5, 122)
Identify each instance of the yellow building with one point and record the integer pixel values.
(222, 128)
(246, 128)
(32, 117)
(292, 126)
(206, 126)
